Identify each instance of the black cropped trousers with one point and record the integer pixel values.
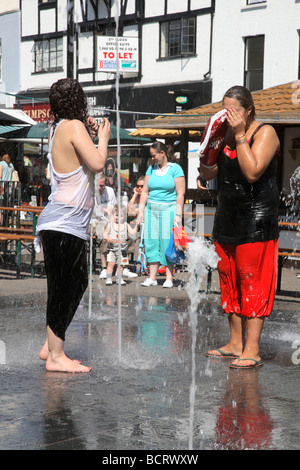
(66, 268)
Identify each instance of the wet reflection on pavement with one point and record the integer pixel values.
(139, 397)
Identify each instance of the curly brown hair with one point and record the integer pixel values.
(68, 101)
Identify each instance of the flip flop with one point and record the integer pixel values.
(248, 366)
(222, 354)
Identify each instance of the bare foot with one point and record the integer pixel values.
(62, 363)
(44, 353)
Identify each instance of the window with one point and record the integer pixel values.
(178, 38)
(254, 62)
(48, 55)
(253, 2)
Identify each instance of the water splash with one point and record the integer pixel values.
(118, 125)
(200, 256)
(292, 199)
(137, 358)
(91, 272)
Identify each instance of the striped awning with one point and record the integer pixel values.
(6, 129)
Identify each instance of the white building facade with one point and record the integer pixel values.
(173, 54)
(10, 75)
(189, 50)
(256, 42)
(168, 39)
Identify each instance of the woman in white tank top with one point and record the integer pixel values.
(63, 225)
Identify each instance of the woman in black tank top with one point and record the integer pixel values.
(246, 226)
(246, 211)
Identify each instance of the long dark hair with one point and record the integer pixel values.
(244, 96)
(161, 147)
(68, 101)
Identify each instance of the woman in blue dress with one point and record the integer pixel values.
(161, 206)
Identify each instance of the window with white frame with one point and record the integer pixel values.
(178, 38)
(48, 55)
(254, 62)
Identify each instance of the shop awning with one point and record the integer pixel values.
(39, 131)
(26, 133)
(6, 129)
(15, 116)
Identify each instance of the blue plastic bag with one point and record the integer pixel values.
(174, 256)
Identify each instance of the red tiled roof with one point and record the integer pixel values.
(279, 104)
(281, 100)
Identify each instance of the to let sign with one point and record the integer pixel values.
(117, 54)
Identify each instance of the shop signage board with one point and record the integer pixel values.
(37, 112)
(121, 52)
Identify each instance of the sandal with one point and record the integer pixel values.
(248, 366)
(222, 354)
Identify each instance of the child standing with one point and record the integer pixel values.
(113, 233)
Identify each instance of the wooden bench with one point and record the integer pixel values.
(18, 238)
(22, 241)
(283, 255)
(286, 253)
(16, 230)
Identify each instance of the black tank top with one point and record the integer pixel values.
(246, 212)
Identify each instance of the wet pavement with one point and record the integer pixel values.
(149, 389)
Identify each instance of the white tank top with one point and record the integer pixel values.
(71, 201)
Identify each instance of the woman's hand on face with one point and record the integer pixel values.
(92, 127)
(236, 122)
(104, 130)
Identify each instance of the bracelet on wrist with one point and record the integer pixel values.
(241, 141)
(240, 137)
(178, 215)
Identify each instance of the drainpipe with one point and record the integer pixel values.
(70, 38)
(207, 75)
